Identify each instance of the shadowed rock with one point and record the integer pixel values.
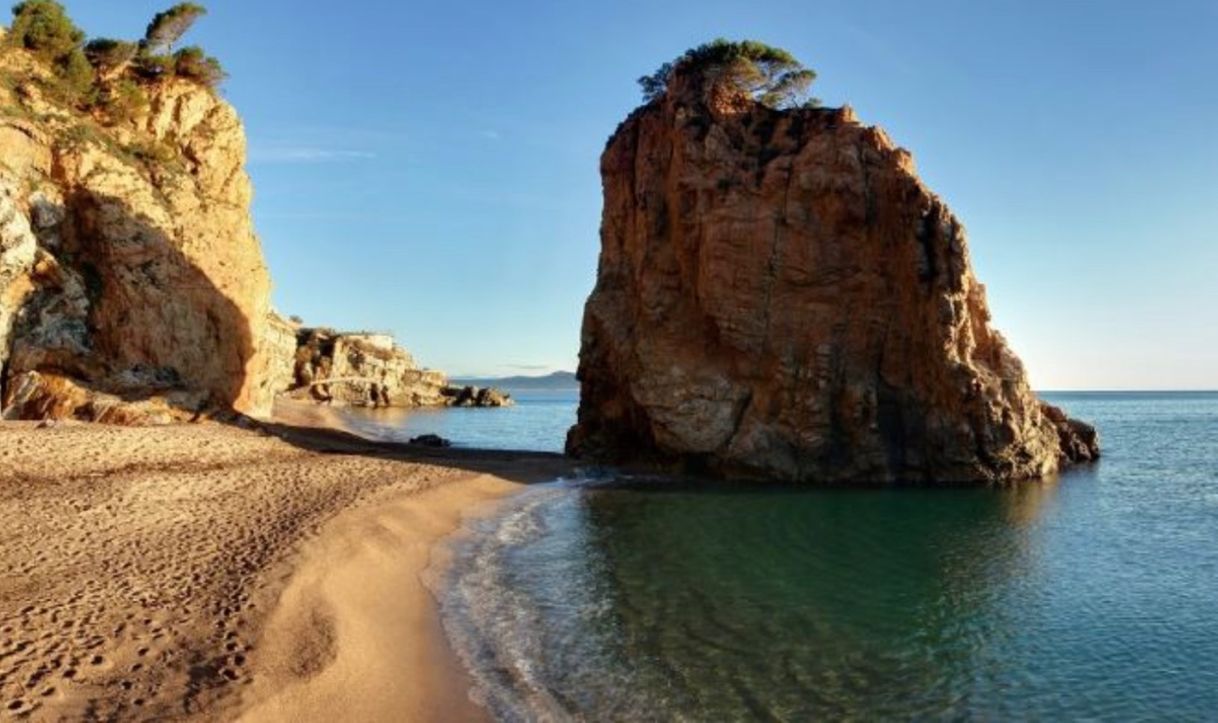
(144, 286)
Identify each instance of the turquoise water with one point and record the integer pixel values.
(1094, 596)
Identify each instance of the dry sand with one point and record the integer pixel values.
(209, 572)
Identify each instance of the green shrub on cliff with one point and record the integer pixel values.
(76, 78)
(100, 74)
(44, 28)
(109, 55)
(193, 64)
(769, 75)
(123, 99)
(152, 67)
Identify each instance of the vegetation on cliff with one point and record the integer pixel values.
(768, 75)
(105, 75)
(101, 91)
(144, 295)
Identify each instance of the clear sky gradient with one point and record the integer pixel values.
(431, 169)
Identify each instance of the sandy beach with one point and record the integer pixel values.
(213, 573)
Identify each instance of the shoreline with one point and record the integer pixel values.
(150, 572)
(357, 633)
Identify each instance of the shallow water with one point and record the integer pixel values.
(1093, 596)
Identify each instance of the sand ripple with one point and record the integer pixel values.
(138, 565)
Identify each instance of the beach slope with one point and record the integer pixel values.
(205, 571)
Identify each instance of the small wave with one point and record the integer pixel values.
(496, 628)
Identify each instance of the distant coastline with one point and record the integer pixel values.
(557, 381)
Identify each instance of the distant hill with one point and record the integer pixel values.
(558, 381)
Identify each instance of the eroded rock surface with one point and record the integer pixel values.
(779, 295)
(144, 278)
(362, 369)
(366, 369)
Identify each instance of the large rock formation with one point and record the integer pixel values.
(130, 274)
(779, 295)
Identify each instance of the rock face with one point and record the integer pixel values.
(370, 370)
(362, 369)
(281, 347)
(780, 296)
(129, 269)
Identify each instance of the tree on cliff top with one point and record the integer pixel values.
(169, 26)
(44, 28)
(771, 76)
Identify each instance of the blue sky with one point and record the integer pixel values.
(431, 168)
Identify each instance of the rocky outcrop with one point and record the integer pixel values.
(471, 396)
(779, 295)
(1077, 440)
(144, 279)
(370, 370)
(362, 369)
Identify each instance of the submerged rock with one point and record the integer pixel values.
(779, 295)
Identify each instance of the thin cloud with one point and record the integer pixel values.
(304, 154)
(489, 135)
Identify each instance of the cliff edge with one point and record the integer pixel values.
(780, 296)
(132, 286)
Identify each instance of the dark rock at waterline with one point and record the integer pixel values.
(1079, 441)
(471, 396)
(430, 440)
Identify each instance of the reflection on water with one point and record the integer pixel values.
(1089, 596)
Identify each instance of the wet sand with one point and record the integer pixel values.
(210, 572)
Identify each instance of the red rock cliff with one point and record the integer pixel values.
(779, 295)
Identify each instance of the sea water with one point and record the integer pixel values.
(538, 421)
(1092, 596)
